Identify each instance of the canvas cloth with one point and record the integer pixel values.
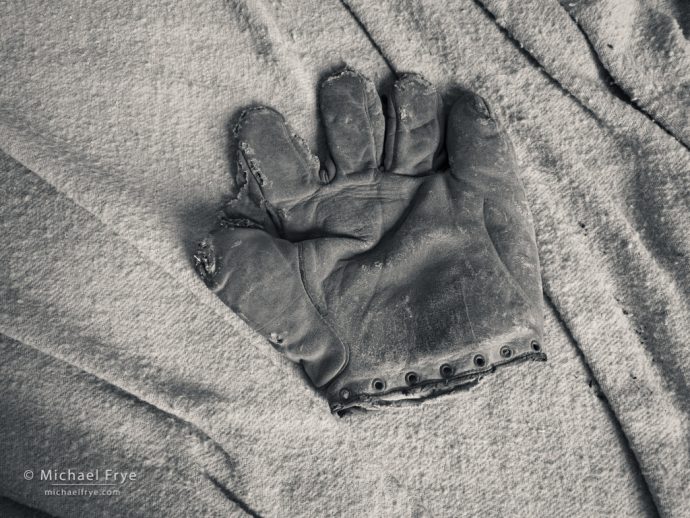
(114, 127)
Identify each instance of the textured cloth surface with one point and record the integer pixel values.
(643, 45)
(114, 125)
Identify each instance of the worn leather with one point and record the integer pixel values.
(402, 268)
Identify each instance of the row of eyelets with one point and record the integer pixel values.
(446, 370)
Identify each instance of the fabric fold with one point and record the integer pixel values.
(644, 46)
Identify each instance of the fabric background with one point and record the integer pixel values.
(114, 127)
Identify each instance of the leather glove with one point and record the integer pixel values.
(385, 274)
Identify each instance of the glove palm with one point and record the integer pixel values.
(386, 275)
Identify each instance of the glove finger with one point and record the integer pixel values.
(353, 121)
(247, 208)
(279, 161)
(413, 130)
(258, 277)
(478, 151)
(482, 159)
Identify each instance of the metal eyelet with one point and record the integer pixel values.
(479, 360)
(411, 378)
(506, 352)
(344, 394)
(446, 370)
(378, 384)
(535, 346)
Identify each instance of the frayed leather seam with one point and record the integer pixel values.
(428, 389)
